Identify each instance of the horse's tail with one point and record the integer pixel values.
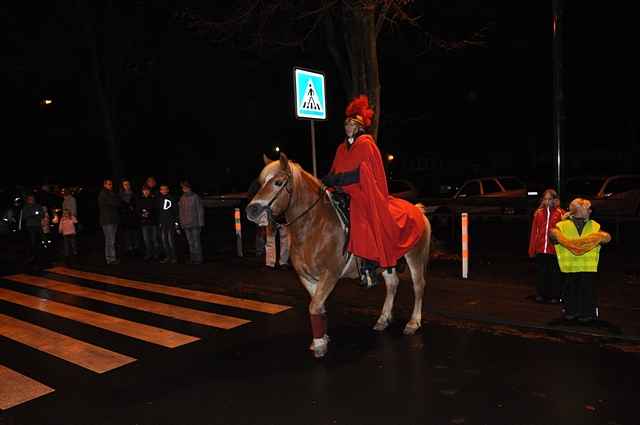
(430, 241)
(422, 208)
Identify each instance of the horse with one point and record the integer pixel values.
(318, 241)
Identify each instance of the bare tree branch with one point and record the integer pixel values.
(476, 39)
(322, 10)
(382, 16)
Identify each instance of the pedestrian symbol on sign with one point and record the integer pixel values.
(310, 100)
(310, 96)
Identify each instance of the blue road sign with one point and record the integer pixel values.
(310, 99)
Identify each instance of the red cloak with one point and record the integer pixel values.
(383, 228)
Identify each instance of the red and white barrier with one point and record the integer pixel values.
(238, 226)
(465, 245)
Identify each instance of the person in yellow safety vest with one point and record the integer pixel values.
(578, 246)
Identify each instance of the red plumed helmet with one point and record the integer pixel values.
(360, 111)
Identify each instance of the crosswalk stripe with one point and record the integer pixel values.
(136, 330)
(168, 310)
(262, 307)
(88, 356)
(16, 388)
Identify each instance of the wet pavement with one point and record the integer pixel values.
(486, 354)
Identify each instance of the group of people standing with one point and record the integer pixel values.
(37, 220)
(566, 248)
(156, 215)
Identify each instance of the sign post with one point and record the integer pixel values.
(310, 101)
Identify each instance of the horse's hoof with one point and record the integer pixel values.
(410, 329)
(320, 350)
(318, 345)
(318, 354)
(381, 325)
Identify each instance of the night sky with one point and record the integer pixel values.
(188, 107)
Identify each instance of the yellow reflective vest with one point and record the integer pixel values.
(570, 263)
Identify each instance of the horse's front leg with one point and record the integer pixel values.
(391, 281)
(311, 285)
(318, 316)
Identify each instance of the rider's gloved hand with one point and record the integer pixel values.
(330, 180)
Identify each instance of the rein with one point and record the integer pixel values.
(273, 222)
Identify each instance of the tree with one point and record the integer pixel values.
(349, 28)
(120, 52)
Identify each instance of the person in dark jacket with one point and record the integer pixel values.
(192, 221)
(32, 215)
(146, 211)
(128, 218)
(109, 204)
(152, 184)
(167, 208)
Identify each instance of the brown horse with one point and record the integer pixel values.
(318, 241)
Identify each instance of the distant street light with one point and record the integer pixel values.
(277, 149)
(390, 157)
(46, 102)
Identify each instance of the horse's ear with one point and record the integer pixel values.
(284, 161)
(266, 159)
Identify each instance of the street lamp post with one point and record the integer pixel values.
(558, 97)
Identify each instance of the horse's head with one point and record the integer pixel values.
(274, 196)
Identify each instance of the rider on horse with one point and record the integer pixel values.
(383, 228)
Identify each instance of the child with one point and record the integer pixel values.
(578, 250)
(549, 287)
(67, 227)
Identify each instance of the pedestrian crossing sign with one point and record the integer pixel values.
(310, 99)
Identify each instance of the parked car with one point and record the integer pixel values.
(617, 195)
(237, 199)
(486, 195)
(493, 187)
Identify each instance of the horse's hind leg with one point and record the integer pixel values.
(391, 281)
(417, 259)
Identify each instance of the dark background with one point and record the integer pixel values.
(188, 107)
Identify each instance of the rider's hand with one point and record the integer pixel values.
(329, 180)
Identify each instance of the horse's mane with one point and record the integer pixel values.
(297, 171)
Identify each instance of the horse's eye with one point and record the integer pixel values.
(279, 183)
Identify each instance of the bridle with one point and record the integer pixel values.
(289, 190)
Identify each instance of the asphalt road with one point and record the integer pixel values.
(261, 372)
(253, 367)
